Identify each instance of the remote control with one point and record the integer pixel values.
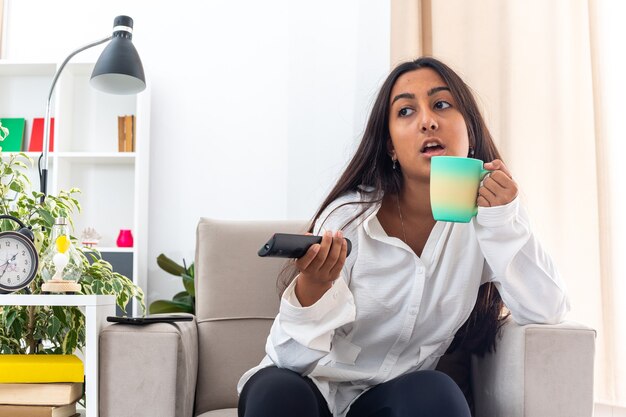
(286, 245)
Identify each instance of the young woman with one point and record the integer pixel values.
(361, 335)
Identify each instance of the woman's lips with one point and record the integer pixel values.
(432, 146)
(430, 152)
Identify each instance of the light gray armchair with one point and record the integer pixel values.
(191, 368)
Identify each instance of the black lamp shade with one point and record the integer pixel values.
(119, 69)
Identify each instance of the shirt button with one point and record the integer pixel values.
(420, 270)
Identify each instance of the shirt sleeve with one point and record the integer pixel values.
(521, 270)
(301, 336)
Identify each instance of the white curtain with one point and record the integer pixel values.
(534, 66)
(608, 33)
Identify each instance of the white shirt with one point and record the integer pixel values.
(391, 312)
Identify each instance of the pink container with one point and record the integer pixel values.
(125, 239)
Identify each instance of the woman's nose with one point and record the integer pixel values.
(428, 122)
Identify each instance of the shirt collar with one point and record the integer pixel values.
(375, 230)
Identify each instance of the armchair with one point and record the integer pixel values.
(191, 368)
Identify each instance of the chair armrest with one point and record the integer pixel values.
(148, 370)
(536, 371)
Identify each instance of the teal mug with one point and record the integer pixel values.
(454, 183)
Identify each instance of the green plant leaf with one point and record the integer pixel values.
(59, 313)
(16, 186)
(165, 306)
(122, 301)
(169, 266)
(181, 296)
(70, 342)
(97, 287)
(188, 300)
(47, 217)
(188, 284)
(54, 326)
(18, 328)
(10, 317)
(21, 164)
(117, 286)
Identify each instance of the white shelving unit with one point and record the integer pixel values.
(114, 185)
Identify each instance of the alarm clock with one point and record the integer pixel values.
(19, 260)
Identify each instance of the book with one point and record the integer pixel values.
(60, 393)
(68, 410)
(36, 135)
(15, 139)
(40, 368)
(121, 136)
(126, 133)
(130, 133)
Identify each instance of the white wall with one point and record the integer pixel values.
(255, 105)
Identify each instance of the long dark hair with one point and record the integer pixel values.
(372, 166)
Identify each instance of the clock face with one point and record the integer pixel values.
(18, 261)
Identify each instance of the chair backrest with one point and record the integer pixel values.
(236, 302)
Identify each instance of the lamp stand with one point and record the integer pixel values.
(43, 173)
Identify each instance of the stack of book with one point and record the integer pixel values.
(40, 385)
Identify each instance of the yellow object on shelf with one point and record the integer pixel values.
(62, 243)
(40, 368)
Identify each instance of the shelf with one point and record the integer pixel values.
(103, 249)
(98, 157)
(11, 68)
(104, 156)
(56, 300)
(32, 155)
(123, 155)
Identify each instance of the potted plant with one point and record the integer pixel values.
(47, 329)
(184, 301)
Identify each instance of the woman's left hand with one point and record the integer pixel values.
(498, 188)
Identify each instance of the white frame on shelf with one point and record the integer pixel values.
(96, 308)
(114, 249)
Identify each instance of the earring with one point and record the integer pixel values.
(471, 152)
(395, 164)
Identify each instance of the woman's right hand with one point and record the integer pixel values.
(319, 267)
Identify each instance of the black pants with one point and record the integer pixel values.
(274, 392)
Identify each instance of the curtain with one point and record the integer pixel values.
(411, 32)
(609, 66)
(533, 65)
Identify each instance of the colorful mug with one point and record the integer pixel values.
(454, 183)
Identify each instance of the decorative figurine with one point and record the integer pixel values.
(61, 263)
(90, 237)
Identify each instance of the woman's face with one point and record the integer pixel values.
(424, 121)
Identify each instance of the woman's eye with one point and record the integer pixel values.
(440, 105)
(405, 111)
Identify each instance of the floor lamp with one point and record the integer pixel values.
(117, 71)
